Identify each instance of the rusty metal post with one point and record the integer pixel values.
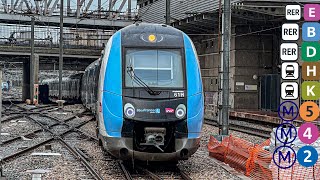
(225, 63)
(61, 50)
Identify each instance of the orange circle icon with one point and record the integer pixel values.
(309, 111)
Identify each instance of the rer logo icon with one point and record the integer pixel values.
(290, 32)
(289, 51)
(293, 12)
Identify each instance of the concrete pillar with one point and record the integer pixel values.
(26, 80)
(34, 76)
(36, 68)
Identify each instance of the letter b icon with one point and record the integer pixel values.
(311, 31)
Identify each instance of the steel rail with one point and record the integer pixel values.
(183, 174)
(12, 118)
(87, 165)
(39, 108)
(20, 137)
(71, 149)
(149, 173)
(14, 155)
(41, 143)
(244, 129)
(126, 173)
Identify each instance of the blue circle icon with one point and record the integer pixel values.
(284, 135)
(307, 156)
(285, 159)
(286, 111)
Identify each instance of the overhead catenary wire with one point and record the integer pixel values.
(250, 33)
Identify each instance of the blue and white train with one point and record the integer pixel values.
(146, 92)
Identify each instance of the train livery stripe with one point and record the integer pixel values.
(195, 102)
(112, 90)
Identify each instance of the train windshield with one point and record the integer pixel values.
(156, 68)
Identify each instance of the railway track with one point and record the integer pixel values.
(56, 137)
(140, 171)
(243, 128)
(57, 132)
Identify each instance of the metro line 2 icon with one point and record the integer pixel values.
(289, 90)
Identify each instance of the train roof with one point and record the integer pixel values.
(95, 63)
(137, 35)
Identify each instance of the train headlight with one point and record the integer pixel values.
(152, 38)
(129, 110)
(181, 111)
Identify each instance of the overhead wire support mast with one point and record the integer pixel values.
(61, 50)
(225, 63)
(168, 12)
(32, 59)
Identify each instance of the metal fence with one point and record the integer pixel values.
(74, 38)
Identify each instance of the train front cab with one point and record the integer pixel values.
(155, 133)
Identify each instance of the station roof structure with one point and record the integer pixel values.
(202, 16)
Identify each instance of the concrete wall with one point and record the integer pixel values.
(251, 54)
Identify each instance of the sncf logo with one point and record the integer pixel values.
(169, 110)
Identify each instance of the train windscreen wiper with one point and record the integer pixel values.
(137, 80)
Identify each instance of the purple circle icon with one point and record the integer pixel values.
(284, 159)
(288, 111)
(308, 133)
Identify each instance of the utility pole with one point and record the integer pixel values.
(32, 61)
(0, 109)
(61, 50)
(225, 62)
(1, 173)
(168, 12)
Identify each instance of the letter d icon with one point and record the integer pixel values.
(310, 51)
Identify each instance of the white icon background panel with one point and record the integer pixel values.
(289, 51)
(290, 70)
(290, 32)
(293, 12)
(289, 90)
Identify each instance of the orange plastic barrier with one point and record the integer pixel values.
(255, 162)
